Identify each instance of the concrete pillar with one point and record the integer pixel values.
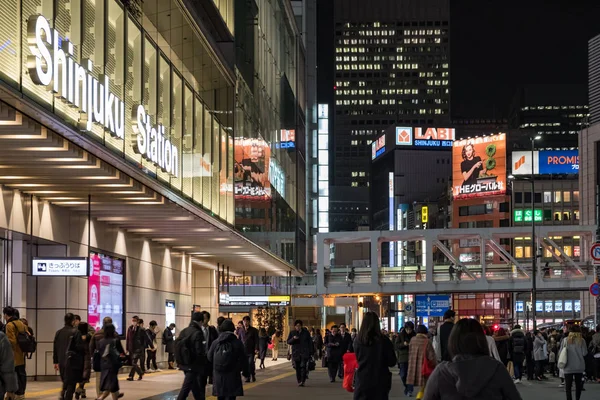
(205, 291)
(322, 261)
(375, 259)
(428, 257)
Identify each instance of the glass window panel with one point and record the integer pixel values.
(208, 158)
(323, 157)
(323, 203)
(10, 71)
(576, 195)
(230, 199)
(323, 142)
(133, 84)
(519, 252)
(187, 147)
(176, 132)
(557, 197)
(216, 147)
(567, 197)
(223, 174)
(115, 62)
(323, 188)
(323, 173)
(547, 197)
(200, 166)
(323, 220)
(149, 93)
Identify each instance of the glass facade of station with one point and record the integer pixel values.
(145, 55)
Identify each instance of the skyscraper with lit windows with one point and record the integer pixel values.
(391, 67)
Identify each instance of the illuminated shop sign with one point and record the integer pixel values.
(52, 65)
(424, 137)
(287, 139)
(527, 215)
(378, 147)
(226, 300)
(545, 162)
(56, 69)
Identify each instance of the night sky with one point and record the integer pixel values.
(498, 46)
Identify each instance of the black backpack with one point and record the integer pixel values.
(224, 357)
(26, 341)
(519, 345)
(183, 349)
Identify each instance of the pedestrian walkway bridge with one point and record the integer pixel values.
(497, 259)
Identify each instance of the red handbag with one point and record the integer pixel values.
(428, 365)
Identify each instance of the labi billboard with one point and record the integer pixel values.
(479, 166)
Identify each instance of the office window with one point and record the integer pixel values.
(528, 197)
(519, 197)
(504, 223)
(558, 216)
(547, 197)
(519, 252)
(568, 250)
(557, 197)
(504, 207)
(538, 197)
(576, 215)
(576, 195)
(567, 216)
(547, 215)
(567, 197)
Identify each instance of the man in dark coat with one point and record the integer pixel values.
(347, 347)
(334, 351)
(169, 343)
(227, 382)
(210, 334)
(443, 335)
(249, 338)
(517, 346)
(68, 340)
(198, 362)
(302, 349)
(401, 346)
(137, 347)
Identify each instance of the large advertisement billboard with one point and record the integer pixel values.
(105, 291)
(251, 169)
(545, 162)
(479, 166)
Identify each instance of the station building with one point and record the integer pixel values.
(118, 131)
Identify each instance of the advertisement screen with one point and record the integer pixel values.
(479, 166)
(545, 162)
(169, 312)
(105, 290)
(251, 169)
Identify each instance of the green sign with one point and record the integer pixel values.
(527, 215)
(518, 215)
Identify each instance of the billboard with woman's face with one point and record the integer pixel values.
(479, 166)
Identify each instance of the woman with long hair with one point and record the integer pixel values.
(275, 340)
(576, 352)
(420, 347)
(109, 381)
(375, 355)
(472, 374)
(263, 343)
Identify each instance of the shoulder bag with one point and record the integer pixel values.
(428, 365)
(563, 356)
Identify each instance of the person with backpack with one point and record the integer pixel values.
(16, 332)
(517, 347)
(228, 358)
(210, 335)
(169, 342)
(190, 354)
(110, 350)
(68, 356)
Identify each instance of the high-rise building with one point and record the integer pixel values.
(555, 112)
(391, 67)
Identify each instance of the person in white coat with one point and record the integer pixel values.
(540, 354)
(491, 343)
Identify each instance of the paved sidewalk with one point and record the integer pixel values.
(151, 385)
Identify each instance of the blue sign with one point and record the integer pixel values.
(558, 162)
(285, 145)
(433, 143)
(519, 306)
(432, 305)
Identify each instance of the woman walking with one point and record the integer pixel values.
(540, 354)
(418, 348)
(110, 348)
(275, 340)
(263, 344)
(375, 355)
(575, 366)
(472, 374)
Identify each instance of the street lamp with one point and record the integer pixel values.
(533, 242)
